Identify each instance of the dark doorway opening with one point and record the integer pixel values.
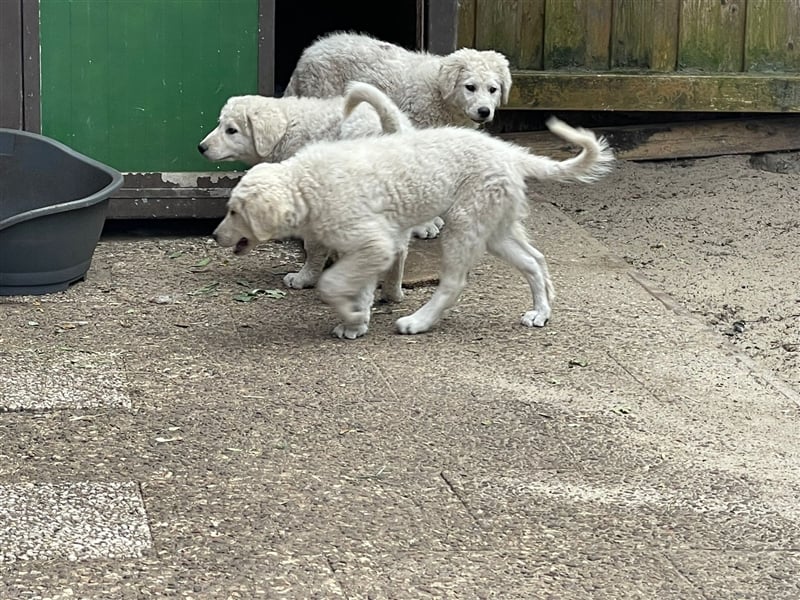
(299, 22)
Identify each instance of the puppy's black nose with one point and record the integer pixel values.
(203, 148)
(484, 112)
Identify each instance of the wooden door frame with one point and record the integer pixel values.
(19, 65)
(437, 32)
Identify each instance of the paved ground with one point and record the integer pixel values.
(164, 439)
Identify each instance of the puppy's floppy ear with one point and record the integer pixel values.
(505, 76)
(267, 127)
(449, 74)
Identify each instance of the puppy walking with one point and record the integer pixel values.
(462, 88)
(361, 198)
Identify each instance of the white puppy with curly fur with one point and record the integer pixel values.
(361, 197)
(254, 129)
(462, 88)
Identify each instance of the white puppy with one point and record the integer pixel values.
(361, 197)
(254, 129)
(462, 88)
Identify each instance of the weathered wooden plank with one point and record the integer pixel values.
(441, 35)
(173, 195)
(577, 34)
(32, 111)
(645, 34)
(513, 27)
(655, 92)
(772, 37)
(712, 35)
(466, 23)
(11, 65)
(679, 140)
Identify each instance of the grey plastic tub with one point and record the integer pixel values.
(53, 204)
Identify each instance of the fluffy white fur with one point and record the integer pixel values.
(462, 88)
(361, 198)
(254, 129)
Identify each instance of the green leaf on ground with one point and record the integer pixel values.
(206, 289)
(204, 262)
(253, 294)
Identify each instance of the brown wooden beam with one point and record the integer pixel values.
(693, 139)
(557, 90)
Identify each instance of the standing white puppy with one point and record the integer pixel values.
(462, 88)
(361, 197)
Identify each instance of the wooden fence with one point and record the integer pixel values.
(682, 55)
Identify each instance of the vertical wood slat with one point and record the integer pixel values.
(32, 110)
(577, 34)
(645, 34)
(466, 23)
(513, 27)
(441, 25)
(772, 37)
(11, 64)
(712, 35)
(266, 47)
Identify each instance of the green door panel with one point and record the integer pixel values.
(138, 83)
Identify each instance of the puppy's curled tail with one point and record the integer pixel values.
(593, 162)
(393, 120)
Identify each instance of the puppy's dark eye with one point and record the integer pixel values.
(470, 87)
(492, 90)
(231, 131)
(232, 212)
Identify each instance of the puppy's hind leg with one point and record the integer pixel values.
(514, 248)
(392, 287)
(458, 257)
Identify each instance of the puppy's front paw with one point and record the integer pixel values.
(534, 318)
(300, 280)
(409, 325)
(428, 230)
(350, 332)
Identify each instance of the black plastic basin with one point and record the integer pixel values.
(53, 204)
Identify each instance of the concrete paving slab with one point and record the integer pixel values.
(556, 569)
(242, 576)
(310, 511)
(664, 508)
(738, 574)
(45, 380)
(73, 521)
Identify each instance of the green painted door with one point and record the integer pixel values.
(138, 83)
